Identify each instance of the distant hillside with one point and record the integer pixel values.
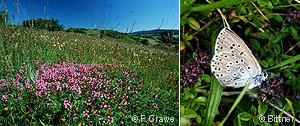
(155, 32)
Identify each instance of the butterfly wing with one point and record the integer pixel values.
(233, 63)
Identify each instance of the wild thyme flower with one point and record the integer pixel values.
(67, 104)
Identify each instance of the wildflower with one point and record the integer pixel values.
(111, 119)
(107, 107)
(101, 120)
(89, 102)
(20, 98)
(124, 102)
(96, 112)
(190, 73)
(86, 114)
(293, 16)
(27, 84)
(154, 106)
(67, 104)
(271, 89)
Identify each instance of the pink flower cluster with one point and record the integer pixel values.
(67, 104)
(75, 77)
(104, 91)
(93, 82)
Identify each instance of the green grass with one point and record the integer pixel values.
(272, 34)
(157, 67)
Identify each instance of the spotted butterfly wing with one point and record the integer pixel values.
(233, 63)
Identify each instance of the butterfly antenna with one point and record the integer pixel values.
(225, 23)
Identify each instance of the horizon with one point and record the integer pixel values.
(117, 15)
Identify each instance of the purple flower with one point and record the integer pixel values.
(27, 84)
(86, 114)
(154, 106)
(124, 102)
(67, 104)
(101, 120)
(110, 119)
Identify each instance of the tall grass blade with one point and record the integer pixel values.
(214, 99)
(218, 4)
(288, 61)
(236, 102)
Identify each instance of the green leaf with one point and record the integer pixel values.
(193, 24)
(183, 19)
(184, 121)
(275, 2)
(214, 98)
(182, 109)
(188, 2)
(271, 61)
(288, 61)
(195, 106)
(189, 113)
(219, 4)
(290, 106)
(277, 48)
(255, 44)
(242, 10)
(42, 123)
(277, 37)
(257, 22)
(245, 116)
(185, 5)
(269, 4)
(198, 119)
(253, 108)
(188, 95)
(294, 32)
(262, 3)
(277, 17)
(206, 78)
(264, 64)
(201, 99)
(262, 109)
(256, 121)
(267, 123)
(248, 30)
(244, 19)
(263, 35)
(187, 37)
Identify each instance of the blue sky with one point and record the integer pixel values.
(120, 15)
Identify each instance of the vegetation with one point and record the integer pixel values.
(41, 23)
(270, 29)
(47, 78)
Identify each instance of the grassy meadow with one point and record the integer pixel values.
(29, 53)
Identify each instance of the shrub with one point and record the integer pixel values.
(3, 18)
(41, 23)
(166, 37)
(77, 30)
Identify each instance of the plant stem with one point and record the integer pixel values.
(236, 102)
(286, 113)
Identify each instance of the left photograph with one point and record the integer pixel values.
(96, 62)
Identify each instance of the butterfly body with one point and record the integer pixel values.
(233, 63)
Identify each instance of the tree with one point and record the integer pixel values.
(166, 37)
(41, 23)
(4, 18)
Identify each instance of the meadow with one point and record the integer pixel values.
(67, 78)
(271, 31)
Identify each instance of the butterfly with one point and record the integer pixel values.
(233, 63)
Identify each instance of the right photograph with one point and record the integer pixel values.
(239, 63)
